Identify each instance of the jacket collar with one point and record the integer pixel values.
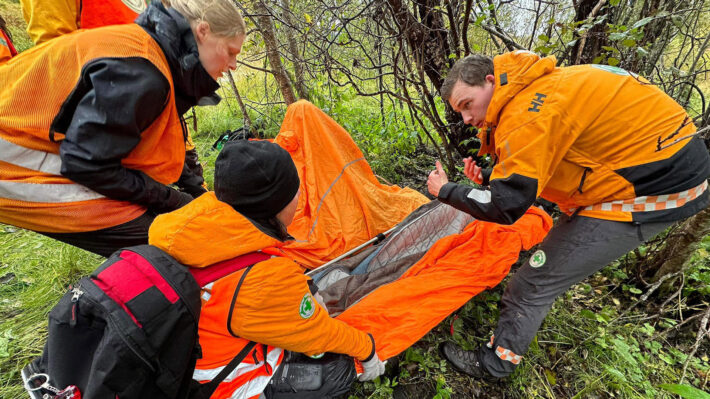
(514, 72)
(207, 231)
(171, 30)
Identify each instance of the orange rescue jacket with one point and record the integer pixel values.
(269, 303)
(33, 89)
(594, 139)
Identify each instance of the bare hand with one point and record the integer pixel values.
(437, 178)
(472, 171)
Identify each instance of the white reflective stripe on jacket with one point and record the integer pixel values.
(44, 162)
(253, 386)
(29, 159)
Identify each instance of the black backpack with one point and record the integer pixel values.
(129, 330)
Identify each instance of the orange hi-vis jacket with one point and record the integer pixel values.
(34, 88)
(269, 303)
(594, 139)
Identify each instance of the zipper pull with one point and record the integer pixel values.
(76, 294)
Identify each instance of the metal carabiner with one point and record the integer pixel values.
(40, 381)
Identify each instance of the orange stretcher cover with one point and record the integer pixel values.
(342, 205)
(454, 270)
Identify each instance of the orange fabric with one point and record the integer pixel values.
(49, 19)
(97, 13)
(27, 110)
(574, 137)
(336, 212)
(7, 50)
(454, 270)
(267, 308)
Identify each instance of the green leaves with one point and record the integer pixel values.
(5, 339)
(685, 391)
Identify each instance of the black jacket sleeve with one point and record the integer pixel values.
(191, 179)
(115, 100)
(504, 203)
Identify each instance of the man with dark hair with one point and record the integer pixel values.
(618, 156)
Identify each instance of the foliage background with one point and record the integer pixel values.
(374, 66)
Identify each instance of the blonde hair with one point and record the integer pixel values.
(222, 16)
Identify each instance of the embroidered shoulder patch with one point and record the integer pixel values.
(307, 307)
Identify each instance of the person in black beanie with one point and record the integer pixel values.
(272, 302)
(258, 179)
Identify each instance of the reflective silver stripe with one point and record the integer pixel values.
(252, 387)
(30, 159)
(39, 161)
(482, 196)
(208, 374)
(51, 193)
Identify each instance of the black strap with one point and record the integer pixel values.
(206, 390)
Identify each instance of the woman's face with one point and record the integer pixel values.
(286, 215)
(217, 54)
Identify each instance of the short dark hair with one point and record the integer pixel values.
(471, 70)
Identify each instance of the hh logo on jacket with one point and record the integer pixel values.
(537, 102)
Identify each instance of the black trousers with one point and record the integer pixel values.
(574, 249)
(107, 241)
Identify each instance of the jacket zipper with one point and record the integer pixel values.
(584, 176)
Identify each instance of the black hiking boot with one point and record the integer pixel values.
(465, 361)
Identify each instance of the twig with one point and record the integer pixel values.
(648, 293)
(583, 39)
(670, 297)
(383, 179)
(675, 327)
(702, 332)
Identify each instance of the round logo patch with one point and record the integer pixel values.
(307, 306)
(538, 258)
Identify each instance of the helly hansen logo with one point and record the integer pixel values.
(537, 102)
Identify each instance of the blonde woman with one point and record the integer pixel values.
(90, 129)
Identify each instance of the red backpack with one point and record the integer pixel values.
(129, 330)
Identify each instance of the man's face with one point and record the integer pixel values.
(472, 101)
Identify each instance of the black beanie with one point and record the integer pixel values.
(257, 178)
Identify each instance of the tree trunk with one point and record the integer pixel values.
(589, 45)
(673, 257)
(247, 119)
(266, 28)
(428, 41)
(297, 61)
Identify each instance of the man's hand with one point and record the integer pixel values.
(437, 178)
(472, 171)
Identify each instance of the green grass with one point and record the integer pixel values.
(35, 271)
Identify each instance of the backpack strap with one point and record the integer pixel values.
(206, 390)
(214, 272)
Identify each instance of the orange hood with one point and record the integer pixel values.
(206, 231)
(518, 69)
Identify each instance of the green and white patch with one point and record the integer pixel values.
(307, 307)
(538, 258)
